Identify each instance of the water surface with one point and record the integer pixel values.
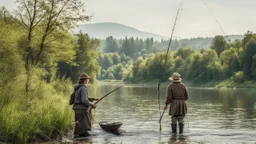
(214, 116)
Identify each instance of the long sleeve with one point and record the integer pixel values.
(168, 96)
(186, 93)
(84, 97)
(91, 99)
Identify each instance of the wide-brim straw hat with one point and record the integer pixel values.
(175, 77)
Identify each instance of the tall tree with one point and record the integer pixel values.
(247, 57)
(219, 44)
(111, 45)
(45, 22)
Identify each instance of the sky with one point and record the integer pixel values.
(197, 18)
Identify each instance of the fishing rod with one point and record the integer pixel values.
(90, 107)
(106, 95)
(170, 41)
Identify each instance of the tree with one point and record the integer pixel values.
(86, 56)
(47, 22)
(111, 45)
(116, 58)
(254, 67)
(183, 52)
(247, 37)
(247, 57)
(219, 44)
(230, 61)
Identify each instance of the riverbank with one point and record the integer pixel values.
(229, 83)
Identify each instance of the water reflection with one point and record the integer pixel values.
(180, 139)
(214, 115)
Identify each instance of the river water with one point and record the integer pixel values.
(214, 116)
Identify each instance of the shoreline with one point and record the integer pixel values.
(212, 84)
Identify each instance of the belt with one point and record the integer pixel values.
(179, 99)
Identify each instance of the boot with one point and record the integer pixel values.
(174, 128)
(181, 126)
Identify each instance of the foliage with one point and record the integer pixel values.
(247, 57)
(239, 77)
(219, 44)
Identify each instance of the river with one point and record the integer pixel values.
(214, 115)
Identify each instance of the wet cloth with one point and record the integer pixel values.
(178, 118)
(83, 122)
(177, 94)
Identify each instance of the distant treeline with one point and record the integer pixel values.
(139, 46)
(136, 59)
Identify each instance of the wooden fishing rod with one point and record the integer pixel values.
(90, 108)
(106, 95)
(170, 41)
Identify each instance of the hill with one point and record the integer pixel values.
(118, 31)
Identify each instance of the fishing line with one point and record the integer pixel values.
(225, 36)
(148, 118)
(170, 41)
(217, 22)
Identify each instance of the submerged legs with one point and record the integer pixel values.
(179, 119)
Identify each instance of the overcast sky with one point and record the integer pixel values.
(157, 16)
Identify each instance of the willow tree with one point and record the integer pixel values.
(46, 24)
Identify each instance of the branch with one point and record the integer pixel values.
(22, 21)
(39, 21)
(58, 13)
(45, 33)
(34, 14)
(29, 14)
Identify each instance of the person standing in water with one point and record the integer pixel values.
(81, 106)
(177, 95)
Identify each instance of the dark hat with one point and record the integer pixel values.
(84, 76)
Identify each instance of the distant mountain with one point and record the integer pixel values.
(103, 30)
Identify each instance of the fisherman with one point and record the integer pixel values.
(81, 106)
(177, 95)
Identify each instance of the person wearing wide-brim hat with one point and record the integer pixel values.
(177, 95)
(81, 106)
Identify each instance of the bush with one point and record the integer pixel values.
(111, 76)
(239, 77)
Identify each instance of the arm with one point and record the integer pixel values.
(84, 97)
(186, 93)
(91, 99)
(168, 96)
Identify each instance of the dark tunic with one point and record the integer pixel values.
(177, 94)
(80, 107)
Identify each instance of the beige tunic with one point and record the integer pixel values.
(177, 94)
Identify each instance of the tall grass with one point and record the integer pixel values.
(41, 114)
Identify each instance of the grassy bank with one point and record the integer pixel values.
(41, 114)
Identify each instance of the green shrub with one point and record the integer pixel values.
(239, 77)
